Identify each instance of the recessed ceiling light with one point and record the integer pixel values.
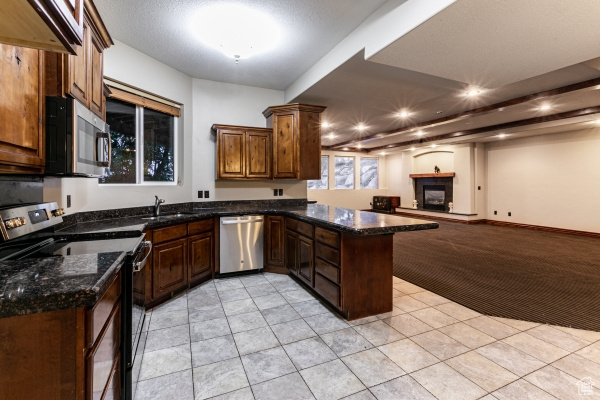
(473, 92)
(412, 149)
(597, 121)
(404, 114)
(248, 32)
(345, 149)
(325, 124)
(382, 153)
(439, 112)
(331, 136)
(433, 146)
(502, 135)
(361, 127)
(545, 107)
(419, 133)
(359, 146)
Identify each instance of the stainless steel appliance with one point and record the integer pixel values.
(27, 232)
(241, 243)
(77, 140)
(385, 204)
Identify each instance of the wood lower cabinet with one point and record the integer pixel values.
(184, 255)
(353, 273)
(22, 111)
(169, 267)
(201, 256)
(274, 243)
(299, 247)
(81, 75)
(243, 152)
(64, 354)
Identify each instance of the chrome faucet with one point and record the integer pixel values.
(157, 204)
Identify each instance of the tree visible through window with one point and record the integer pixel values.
(131, 126)
(369, 173)
(322, 183)
(344, 172)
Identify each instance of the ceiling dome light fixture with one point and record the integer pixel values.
(403, 114)
(473, 92)
(361, 127)
(545, 107)
(236, 30)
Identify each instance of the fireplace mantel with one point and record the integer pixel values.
(438, 175)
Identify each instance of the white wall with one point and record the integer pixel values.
(356, 198)
(204, 104)
(125, 64)
(550, 180)
(224, 103)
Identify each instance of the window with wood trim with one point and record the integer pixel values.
(143, 140)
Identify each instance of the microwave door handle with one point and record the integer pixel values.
(103, 146)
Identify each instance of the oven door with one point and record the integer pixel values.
(134, 298)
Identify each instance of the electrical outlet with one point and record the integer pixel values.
(68, 201)
(199, 194)
(509, 214)
(495, 212)
(281, 192)
(275, 192)
(206, 194)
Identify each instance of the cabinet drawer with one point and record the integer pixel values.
(200, 226)
(169, 233)
(102, 357)
(330, 291)
(291, 224)
(98, 315)
(305, 229)
(327, 270)
(327, 253)
(328, 237)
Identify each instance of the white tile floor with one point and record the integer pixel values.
(264, 337)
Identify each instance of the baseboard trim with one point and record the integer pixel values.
(436, 218)
(544, 228)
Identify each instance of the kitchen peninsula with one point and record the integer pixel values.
(342, 255)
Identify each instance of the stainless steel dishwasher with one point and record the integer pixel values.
(241, 243)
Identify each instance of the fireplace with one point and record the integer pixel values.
(434, 197)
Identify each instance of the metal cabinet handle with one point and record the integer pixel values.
(242, 221)
(138, 265)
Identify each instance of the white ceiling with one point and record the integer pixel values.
(163, 29)
(510, 48)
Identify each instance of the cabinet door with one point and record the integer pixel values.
(274, 241)
(201, 260)
(170, 268)
(258, 155)
(21, 112)
(306, 259)
(95, 69)
(231, 154)
(291, 251)
(77, 84)
(284, 146)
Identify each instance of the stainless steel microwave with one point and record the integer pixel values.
(77, 140)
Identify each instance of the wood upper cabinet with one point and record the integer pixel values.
(296, 140)
(21, 110)
(81, 75)
(243, 152)
(53, 25)
(274, 244)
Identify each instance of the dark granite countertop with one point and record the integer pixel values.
(52, 283)
(37, 285)
(338, 218)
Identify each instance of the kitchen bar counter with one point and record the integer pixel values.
(342, 219)
(52, 283)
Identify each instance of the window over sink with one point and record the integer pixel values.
(143, 140)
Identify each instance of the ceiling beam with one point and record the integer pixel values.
(507, 125)
(585, 85)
